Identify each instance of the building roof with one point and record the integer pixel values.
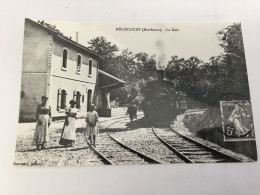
(111, 76)
(60, 35)
(109, 81)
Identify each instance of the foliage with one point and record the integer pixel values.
(135, 69)
(104, 48)
(225, 73)
(204, 82)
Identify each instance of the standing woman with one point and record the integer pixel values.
(43, 117)
(92, 124)
(68, 134)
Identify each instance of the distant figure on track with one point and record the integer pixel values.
(43, 117)
(92, 124)
(68, 134)
(132, 110)
(135, 113)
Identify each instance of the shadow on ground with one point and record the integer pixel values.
(47, 148)
(136, 124)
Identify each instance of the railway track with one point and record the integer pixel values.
(190, 150)
(114, 152)
(117, 119)
(119, 148)
(144, 140)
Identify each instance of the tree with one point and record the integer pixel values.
(145, 66)
(225, 73)
(103, 47)
(135, 69)
(232, 42)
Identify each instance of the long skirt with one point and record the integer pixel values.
(68, 134)
(41, 131)
(92, 130)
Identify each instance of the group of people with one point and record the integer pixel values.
(68, 134)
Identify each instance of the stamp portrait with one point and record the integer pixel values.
(237, 120)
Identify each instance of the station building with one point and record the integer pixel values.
(56, 66)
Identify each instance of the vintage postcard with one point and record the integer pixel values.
(133, 93)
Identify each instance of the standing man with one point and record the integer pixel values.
(135, 111)
(131, 111)
(43, 117)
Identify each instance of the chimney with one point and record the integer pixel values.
(77, 36)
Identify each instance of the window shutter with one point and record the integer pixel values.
(59, 99)
(63, 100)
(74, 95)
(66, 94)
(78, 63)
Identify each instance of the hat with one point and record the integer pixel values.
(92, 106)
(73, 102)
(44, 97)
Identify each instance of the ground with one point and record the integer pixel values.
(56, 155)
(81, 154)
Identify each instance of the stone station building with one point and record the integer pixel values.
(56, 66)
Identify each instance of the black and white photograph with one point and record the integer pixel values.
(133, 93)
(136, 97)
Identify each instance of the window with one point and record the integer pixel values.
(90, 67)
(61, 99)
(77, 98)
(64, 60)
(78, 63)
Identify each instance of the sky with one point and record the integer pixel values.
(182, 39)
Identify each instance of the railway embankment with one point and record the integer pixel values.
(197, 125)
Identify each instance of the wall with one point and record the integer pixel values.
(70, 86)
(35, 48)
(33, 87)
(56, 68)
(35, 68)
(42, 72)
(69, 79)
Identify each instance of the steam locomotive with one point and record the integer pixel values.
(162, 102)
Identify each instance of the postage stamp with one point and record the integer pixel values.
(237, 120)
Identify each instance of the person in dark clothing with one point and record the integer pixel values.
(135, 111)
(131, 111)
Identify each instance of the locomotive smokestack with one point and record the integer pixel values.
(160, 74)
